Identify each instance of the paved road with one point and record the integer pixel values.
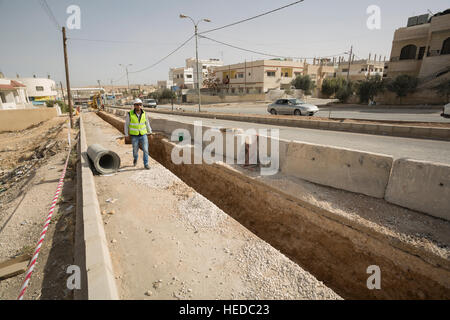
(420, 149)
(363, 113)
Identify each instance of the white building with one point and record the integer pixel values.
(186, 77)
(182, 77)
(13, 95)
(164, 84)
(204, 65)
(40, 90)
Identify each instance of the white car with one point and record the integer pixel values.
(446, 111)
(149, 103)
(292, 106)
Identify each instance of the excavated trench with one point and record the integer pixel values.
(336, 253)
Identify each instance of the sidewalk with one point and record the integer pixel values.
(169, 242)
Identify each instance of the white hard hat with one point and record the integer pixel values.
(137, 101)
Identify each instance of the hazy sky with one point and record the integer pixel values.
(31, 44)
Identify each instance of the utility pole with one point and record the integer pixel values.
(198, 77)
(349, 64)
(126, 69)
(182, 16)
(66, 63)
(62, 92)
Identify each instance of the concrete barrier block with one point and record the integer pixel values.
(440, 133)
(423, 132)
(401, 130)
(422, 186)
(355, 171)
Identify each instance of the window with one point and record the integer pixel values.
(344, 70)
(189, 76)
(2, 96)
(39, 88)
(271, 73)
(240, 75)
(233, 90)
(408, 52)
(446, 47)
(421, 53)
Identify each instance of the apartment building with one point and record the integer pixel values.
(186, 77)
(204, 65)
(422, 48)
(263, 75)
(361, 69)
(182, 77)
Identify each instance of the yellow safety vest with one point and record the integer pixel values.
(137, 127)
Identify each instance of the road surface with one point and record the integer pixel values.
(362, 113)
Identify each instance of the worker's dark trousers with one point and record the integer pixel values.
(143, 141)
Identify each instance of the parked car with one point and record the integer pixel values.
(292, 106)
(446, 111)
(149, 103)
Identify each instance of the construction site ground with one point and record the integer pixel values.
(422, 236)
(31, 162)
(169, 242)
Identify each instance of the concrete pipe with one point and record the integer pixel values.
(105, 161)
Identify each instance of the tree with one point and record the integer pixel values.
(304, 83)
(369, 88)
(331, 86)
(167, 94)
(444, 89)
(403, 85)
(211, 82)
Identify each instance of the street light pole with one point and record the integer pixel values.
(182, 16)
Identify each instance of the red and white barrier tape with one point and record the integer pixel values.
(46, 224)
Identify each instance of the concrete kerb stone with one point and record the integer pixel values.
(420, 185)
(355, 171)
(100, 275)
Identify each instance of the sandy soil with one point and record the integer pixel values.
(30, 167)
(169, 242)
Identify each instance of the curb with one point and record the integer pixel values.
(91, 244)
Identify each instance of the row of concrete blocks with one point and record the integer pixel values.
(357, 127)
(418, 185)
(97, 265)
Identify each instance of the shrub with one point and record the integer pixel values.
(403, 85)
(304, 83)
(443, 89)
(368, 89)
(331, 86)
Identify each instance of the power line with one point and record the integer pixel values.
(167, 56)
(49, 13)
(119, 41)
(252, 18)
(265, 53)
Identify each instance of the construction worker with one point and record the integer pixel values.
(137, 125)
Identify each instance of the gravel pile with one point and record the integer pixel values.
(156, 177)
(200, 213)
(277, 277)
